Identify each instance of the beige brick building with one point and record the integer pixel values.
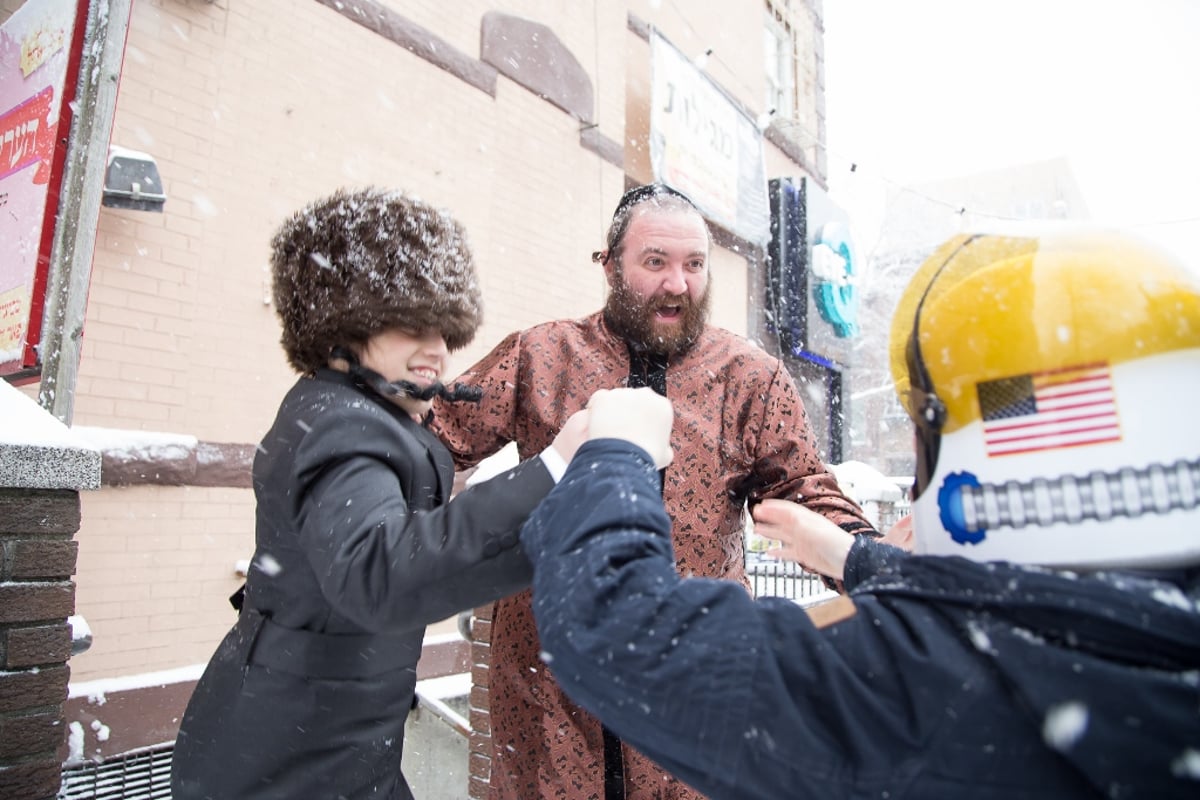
(527, 119)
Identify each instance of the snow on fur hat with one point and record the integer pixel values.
(356, 263)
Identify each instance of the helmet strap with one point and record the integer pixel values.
(929, 410)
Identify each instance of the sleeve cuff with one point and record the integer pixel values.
(554, 463)
(868, 558)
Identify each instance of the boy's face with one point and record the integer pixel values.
(404, 355)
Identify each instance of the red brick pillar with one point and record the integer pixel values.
(480, 756)
(37, 559)
(42, 470)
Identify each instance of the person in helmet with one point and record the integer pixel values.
(1044, 639)
(357, 547)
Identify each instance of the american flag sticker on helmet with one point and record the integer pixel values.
(1065, 407)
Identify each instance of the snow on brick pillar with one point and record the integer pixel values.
(42, 470)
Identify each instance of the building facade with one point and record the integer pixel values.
(526, 119)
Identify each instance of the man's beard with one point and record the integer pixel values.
(632, 317)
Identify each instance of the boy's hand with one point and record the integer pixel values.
(640, 416)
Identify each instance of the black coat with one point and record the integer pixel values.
(934, 678)
(357, 549)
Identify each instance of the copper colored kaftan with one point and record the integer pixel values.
(740, 431)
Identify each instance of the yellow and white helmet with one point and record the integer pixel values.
(1054, 381)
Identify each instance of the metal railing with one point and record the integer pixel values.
(770, 577)
(143, 774)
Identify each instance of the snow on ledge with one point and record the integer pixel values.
(24, 422)
(96, 690)
(863, 483)
(117, 441)
(37, 451)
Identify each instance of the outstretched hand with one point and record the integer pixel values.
(640, 416)
(804, 536)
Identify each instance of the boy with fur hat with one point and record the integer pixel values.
(357, 548)
(1044, 642)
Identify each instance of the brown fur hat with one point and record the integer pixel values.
(359, 262)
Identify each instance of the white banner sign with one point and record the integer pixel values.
(705, 146)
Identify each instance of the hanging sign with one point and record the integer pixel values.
(833, 270)
(706, 146)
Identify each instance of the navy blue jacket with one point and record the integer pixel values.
(932, 678)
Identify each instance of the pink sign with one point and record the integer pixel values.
(35, 53)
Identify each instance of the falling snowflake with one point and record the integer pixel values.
(1187, 765)
(268, 565)
(1065, 725)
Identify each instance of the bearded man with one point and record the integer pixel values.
(740, 435)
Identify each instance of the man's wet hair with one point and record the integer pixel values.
(661, 194)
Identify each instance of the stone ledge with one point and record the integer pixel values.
(379, 19)
(38, 451)
(531, 55)
(138, 458)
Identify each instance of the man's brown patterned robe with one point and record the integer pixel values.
(740, 431)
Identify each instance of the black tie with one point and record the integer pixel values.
(645, 369)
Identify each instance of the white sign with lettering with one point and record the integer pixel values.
(704, 145)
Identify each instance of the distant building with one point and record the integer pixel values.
(916, 220)
(924, 215)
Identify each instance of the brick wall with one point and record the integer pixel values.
(37, 559)
(252, 108)
(155, 588)
(479, 766)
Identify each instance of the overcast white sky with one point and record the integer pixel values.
(920, 90)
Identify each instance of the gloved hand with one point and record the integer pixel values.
(641, 416)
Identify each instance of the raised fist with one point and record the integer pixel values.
(640, 416)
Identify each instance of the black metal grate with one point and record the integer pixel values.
(138, 775)
(772, 578)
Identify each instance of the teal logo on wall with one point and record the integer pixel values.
(833, 268)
